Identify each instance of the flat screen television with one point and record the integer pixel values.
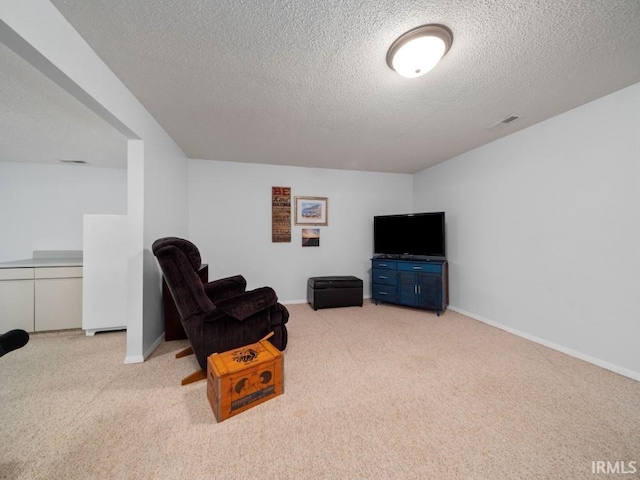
(412, 235)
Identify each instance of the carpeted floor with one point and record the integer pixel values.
(379, 392)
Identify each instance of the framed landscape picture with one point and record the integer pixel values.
(312, 211)
(310, 237)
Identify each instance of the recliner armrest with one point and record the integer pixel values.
(247, 304)
(224, 288)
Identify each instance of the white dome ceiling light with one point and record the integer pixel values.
(419, 50)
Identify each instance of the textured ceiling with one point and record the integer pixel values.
(305, 82)
(42, 123)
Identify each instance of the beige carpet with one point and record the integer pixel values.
(378, 392)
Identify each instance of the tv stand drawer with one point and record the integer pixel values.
(420, 267)
(386, 264)
(385, 293)
(384, 277)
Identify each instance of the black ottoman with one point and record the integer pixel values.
(330, 292)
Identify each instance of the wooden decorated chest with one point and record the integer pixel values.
(243, 378)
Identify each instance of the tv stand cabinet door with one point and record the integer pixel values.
(408, 289)
(430, 291)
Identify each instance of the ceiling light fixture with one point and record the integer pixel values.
(419, 50)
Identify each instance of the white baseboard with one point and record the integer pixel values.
(133, 359)
(143, 357)
(574, 353)
(155, 345)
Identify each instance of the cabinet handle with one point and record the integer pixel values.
(417, 268)
(382, 293)
(418, 289)
(380, 276)
(415, 289)
(382, 264)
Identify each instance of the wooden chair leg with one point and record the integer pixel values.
(194, 377)
(185, 352)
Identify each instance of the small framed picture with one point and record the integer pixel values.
(312, 211)
(310, 237)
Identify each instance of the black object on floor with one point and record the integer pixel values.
(330, 292)
(13, 340)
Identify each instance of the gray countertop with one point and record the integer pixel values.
(48, 258)
(43, 262)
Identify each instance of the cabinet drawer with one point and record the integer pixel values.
(16, 273)
(420, 267)
(384, 264)
(384, 292)
(384, 277)
(59, 272)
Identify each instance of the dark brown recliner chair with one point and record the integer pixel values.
(220, 315)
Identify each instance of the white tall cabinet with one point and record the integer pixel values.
(105, 261)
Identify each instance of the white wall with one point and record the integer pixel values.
(165, 214)
(41, 206)
(543, 230)
(230, 222)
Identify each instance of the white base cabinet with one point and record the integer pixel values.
(16, 299)
(58, 298)
(40, 299)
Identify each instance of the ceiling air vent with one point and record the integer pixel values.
(504, 121)
(73, 162)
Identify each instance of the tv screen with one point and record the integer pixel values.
(413, 234)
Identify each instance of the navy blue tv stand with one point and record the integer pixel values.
(414, 283)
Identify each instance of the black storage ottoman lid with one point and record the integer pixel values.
(334, 282)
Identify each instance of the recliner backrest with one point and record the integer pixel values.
(179, 260)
